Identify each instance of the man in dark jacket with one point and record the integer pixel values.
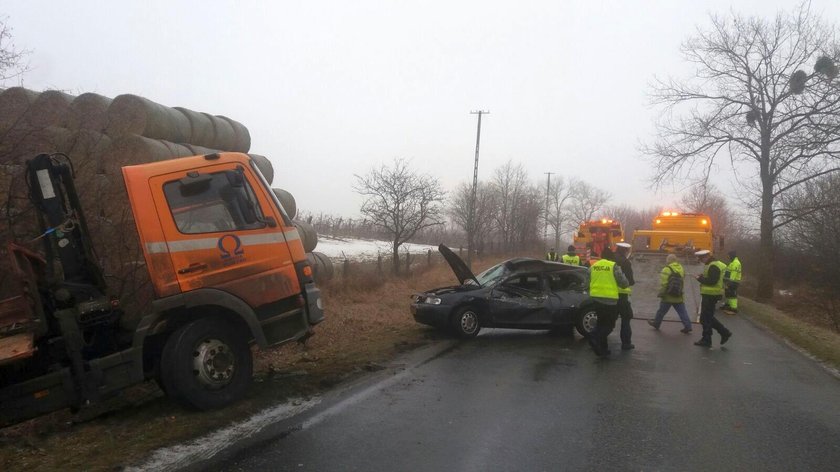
(625, 310)
(711, 290)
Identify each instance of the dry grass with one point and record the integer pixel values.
(367, 324)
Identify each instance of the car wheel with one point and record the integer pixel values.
(465, 323)
(206, 364)
(586, 321)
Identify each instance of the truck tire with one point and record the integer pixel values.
(206, 364)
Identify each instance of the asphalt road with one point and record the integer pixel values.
(515, 400)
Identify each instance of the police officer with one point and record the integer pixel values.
(571, 257)
(625, 310)
(731, 280)
(551, 255)
(711, 290)
(605, 278)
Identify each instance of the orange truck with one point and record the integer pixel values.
(592, 237)
(228, 270)
(675, 232)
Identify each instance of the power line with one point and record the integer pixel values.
(471, 231)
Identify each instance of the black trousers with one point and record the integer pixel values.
(707, 317)
(607, 315)
(625, 311)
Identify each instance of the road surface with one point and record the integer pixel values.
(517, 400)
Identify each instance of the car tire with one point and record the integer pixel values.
(465, 323)
(586, 321)
(206, 364)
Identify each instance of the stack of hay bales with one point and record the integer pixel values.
(100, 135)
(322, 266)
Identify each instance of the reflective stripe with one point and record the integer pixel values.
(211, 243)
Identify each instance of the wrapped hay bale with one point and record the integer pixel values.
(242, 141)
(288, 202)
(322, 267)
(202, 132)
(89, 111)
(224, 137)
(131, 114)
(177, 150)
(15, 103)
(308, 235)
(51, 108)
(264, 165)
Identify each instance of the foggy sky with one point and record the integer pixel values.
(331, 89)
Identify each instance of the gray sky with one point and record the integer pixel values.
(329, 89)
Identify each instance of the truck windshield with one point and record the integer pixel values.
(223, 202)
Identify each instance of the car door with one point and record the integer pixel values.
(520, 301)
(567, 290)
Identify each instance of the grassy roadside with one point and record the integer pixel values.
(819, 342)
(367, 324)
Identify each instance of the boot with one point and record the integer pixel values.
(703, 342)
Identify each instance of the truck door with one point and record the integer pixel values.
(222, 234)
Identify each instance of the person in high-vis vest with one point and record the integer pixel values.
(551, 255)
(711, 291)
(731, 280)
(571, 257)
(625, 309)
(605, 278)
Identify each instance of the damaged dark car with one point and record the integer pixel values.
(520, 293)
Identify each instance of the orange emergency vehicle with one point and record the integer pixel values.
(592, 237)
(228, 270)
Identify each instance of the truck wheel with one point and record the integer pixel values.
(206, 364)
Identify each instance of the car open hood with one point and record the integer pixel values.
(462, 272)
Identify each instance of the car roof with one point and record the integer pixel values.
(526, 264)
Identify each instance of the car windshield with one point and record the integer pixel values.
(489, 276)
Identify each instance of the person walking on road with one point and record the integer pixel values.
(571, 257)
(731, 280)
(711, 290)
(625, 309)
(605, 278)
(551, 255)
(671, 286)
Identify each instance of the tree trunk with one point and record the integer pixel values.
(396, 257)
(766, 252)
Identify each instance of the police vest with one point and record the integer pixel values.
(551, 256)
(734, 269)
(602, 282)
(567, 259)
(717, 288)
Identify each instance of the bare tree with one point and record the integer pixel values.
(814, 236)
(586, 201)
(400, 201)
(485, 210)
(754, 104)
(560, 194)
(509, 182)
(706, 198)
(12, 60)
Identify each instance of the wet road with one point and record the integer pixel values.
(515, 400)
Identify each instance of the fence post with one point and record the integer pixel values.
(407, 262)
(379, 264)
(346, 269)
(429, 258)
(460, 251)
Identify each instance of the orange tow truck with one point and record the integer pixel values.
(228, 271)
(674, 232)
(593, 236)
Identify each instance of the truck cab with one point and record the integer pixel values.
(226, 264)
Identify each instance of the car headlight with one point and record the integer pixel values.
(433, 300)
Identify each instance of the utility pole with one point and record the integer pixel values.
(547, 190)
(471, 232)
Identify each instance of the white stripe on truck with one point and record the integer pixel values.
(160, 247)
